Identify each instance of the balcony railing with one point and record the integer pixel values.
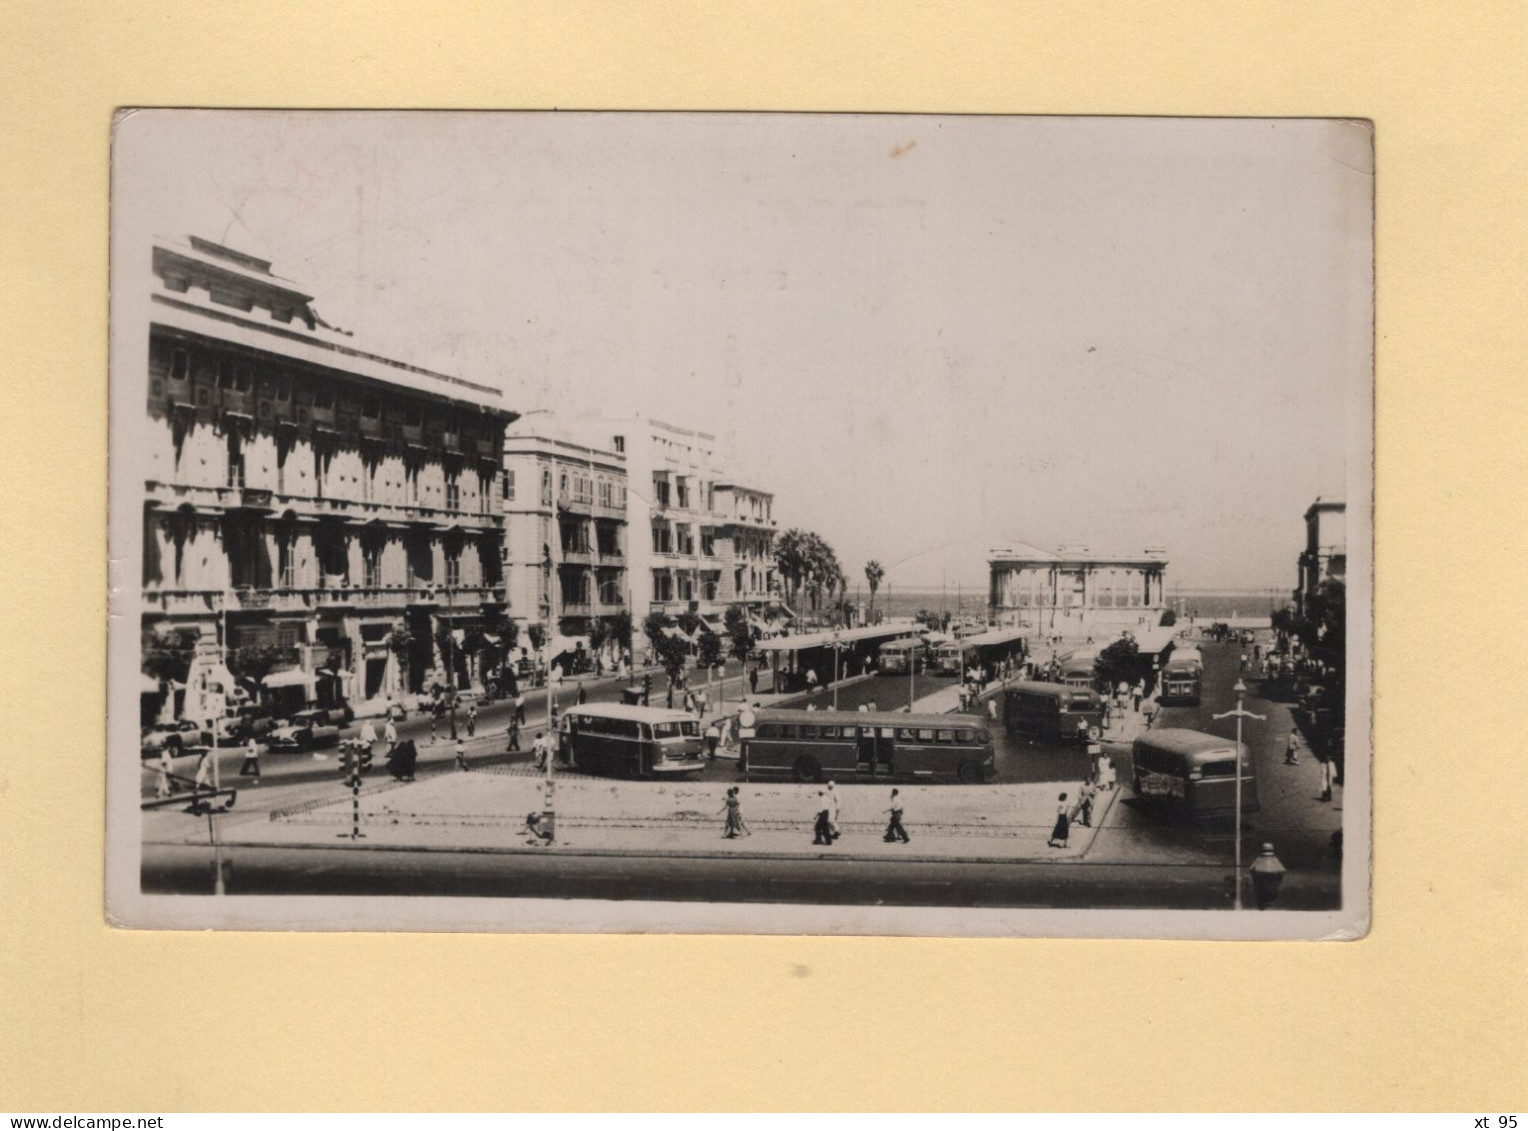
(284, 600)
(171, 495)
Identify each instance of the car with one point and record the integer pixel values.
(306, 730)
(339, 714)
(180, 735)
(243, 723)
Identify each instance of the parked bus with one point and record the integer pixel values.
(1053, 711)
(948, 659)
(809, 746)
(1191, 773)
(901, 655)
(625, 741)
(1182, 676)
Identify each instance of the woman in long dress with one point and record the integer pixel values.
(733, 809)
(1063, 825)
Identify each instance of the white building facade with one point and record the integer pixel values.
(1075, 593)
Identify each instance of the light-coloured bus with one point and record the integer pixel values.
(1077, 669)
(1054, 712)
(627, 741)
(808, 746)
(1182, 676)
(902, 656)
(1191, 773)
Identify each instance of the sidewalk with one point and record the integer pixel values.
(484, 811)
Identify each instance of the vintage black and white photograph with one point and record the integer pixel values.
(833, 523)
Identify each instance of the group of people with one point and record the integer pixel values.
(1101, 778)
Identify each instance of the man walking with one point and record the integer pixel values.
(1328, 776)
(390, 736)
(1292, 749)
(753, 679)
(713, 736)
(822, 829)
(512, 737)
(461, 754)
(894, 830)
(540, 750)
(833, 828)
(251, 767)
(519, 707)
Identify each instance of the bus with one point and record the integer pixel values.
(627, 741)
(901, 655)
(949, 659)
(1055, 712)
(1182, 676)
(1192, 774)
(1077, 669)
(808, 746)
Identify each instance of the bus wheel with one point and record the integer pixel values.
(970, 774)
(807, 769)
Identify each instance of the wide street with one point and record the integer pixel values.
(1136, 858)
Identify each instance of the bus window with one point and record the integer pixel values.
(963, 736)
(906, 734)
(925, 735)
(1218, 769)
(946, 736)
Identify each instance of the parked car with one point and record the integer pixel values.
(306, 730)
(241, 724)
(181, 735)
(340, 714)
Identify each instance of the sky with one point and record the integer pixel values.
(926, 335)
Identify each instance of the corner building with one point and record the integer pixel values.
(306, 495)
(565, 530)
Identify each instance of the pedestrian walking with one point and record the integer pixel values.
(583, 695)
(204, 769)
(894, 830)
(1085, 805)
(822, 828)
(461, 755)
(1292, 749)
(540, 750)
(251, 766)
(833, 810)
(1062, 827)
(471, 719)
(519, 707)
(162, 784)
(390, 736)
(512, 737)
(733, 808)
(713, 738)
(369, 735)
(1328, 777)
(1103, 773)
(992, 708)
(1243, 667)
(1136, 694)
(753, 680)
(811, 679)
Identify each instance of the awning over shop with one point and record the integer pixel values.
(293, 678)
(1154, 641)
(562, 645)
(826, 639)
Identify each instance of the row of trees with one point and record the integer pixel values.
(807, 564)
(1322, 627)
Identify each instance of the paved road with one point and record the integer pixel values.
(340, 871)
(1292, 816)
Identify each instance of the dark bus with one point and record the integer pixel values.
(1053, 711)
(1192, 774)
(901, 656)
(808, 746)
(623, 741)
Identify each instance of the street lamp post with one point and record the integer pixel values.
(1239, 714)
(451, 657)
(837, 652)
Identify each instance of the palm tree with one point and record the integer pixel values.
(873, 575)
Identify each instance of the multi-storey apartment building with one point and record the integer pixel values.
(1325, 557)
(565, 530)
(305, 496)
(747, 529)
(675, 553)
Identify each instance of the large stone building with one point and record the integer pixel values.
(695, 536)
(1075, 593)
(747, 532)
(1325, 557)
(565, 530)
(305, 498)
